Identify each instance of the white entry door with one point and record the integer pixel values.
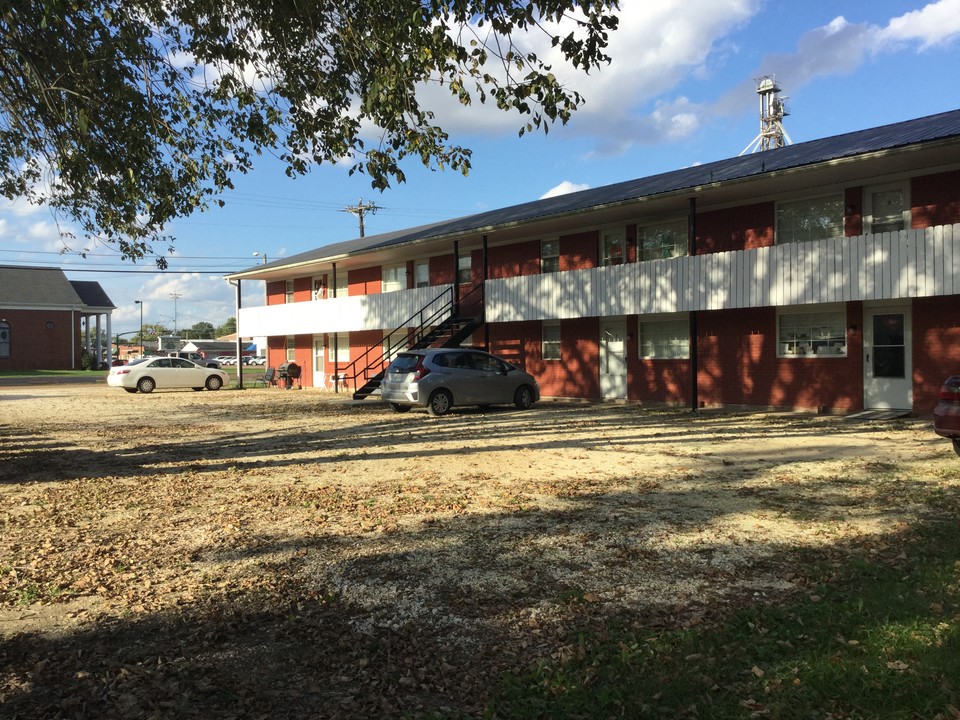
(887, 356)
(613, 360)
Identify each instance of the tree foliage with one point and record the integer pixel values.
(125, 114)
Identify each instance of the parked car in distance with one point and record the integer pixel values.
(946, 414)
(197, 358)
(258, 360)
(440, 378)
(163, 373)
(227, 359)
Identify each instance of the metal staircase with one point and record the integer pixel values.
(437, 324)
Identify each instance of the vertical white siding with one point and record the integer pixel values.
(911, 263)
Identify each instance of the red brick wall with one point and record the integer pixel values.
(581, 250)
(739, 364)
(364, 281)
(935, 199)
(441, 270)
(514, 260)
(936, 347)
(739, 228)
(302, 289)
(276, 292)
(853, 211)
(34, 346)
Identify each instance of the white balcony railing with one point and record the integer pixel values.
(911, 263)
(384, 311)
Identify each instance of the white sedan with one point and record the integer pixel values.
(161, 373)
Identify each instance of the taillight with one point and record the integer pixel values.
(421, 370)
(950, 390)
(122, 372)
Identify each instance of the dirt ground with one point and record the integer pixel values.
(271, 553)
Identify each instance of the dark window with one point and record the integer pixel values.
(4, 339)
(404, 363)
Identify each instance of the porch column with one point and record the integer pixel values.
(694, 357)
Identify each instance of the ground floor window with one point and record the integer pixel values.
(339, 348)
(4, 339)
(550, 343)
(665, 338)
(291, 346)
(810, 334)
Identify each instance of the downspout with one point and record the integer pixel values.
(239, 356)
(483, 298)
(694, 359)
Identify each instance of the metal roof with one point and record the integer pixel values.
(887, 137)
(92, 294)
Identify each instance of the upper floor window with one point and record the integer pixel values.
(464, 269)
(4, 339)
(550, 344)
(613, 248)
(394, 278)
(550, 255)
(886, 209)
(665, 339)
(663, 240)
(421, 273)
(810, 219)
(288, 292)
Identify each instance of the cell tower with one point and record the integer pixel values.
(773, 110)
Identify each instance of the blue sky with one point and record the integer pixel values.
(680, 91)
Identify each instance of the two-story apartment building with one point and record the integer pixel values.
(822, 275)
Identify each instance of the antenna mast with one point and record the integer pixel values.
(773, 110)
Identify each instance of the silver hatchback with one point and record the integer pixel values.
(439, 378)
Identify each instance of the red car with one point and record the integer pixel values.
(946, 415)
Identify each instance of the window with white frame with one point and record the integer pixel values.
(464, 269)
(550, 342)
(665, 338)
(291, 348)
(812, 334)
(343, 284)
(550, 255)
(613, 247)
(663, 239)
(422, 273)
(810, 219)
(339, 348)
(887, 209)
(394, 278)
(288, 292)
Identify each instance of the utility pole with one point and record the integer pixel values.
(175, 296)
(361, 209)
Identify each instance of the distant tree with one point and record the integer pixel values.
(123, 115)
(228, 328)
(153, 331)
(200, 331)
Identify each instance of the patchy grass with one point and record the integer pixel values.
(876, 635)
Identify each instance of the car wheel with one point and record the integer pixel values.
(398, 408)
(523, 397)
(956, 445)
(130, 390)
(440, 403)
(214, 382)
(146, 385)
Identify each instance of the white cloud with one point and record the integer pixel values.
(935, 24)
(564, 188)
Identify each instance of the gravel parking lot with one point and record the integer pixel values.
(286, 553)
